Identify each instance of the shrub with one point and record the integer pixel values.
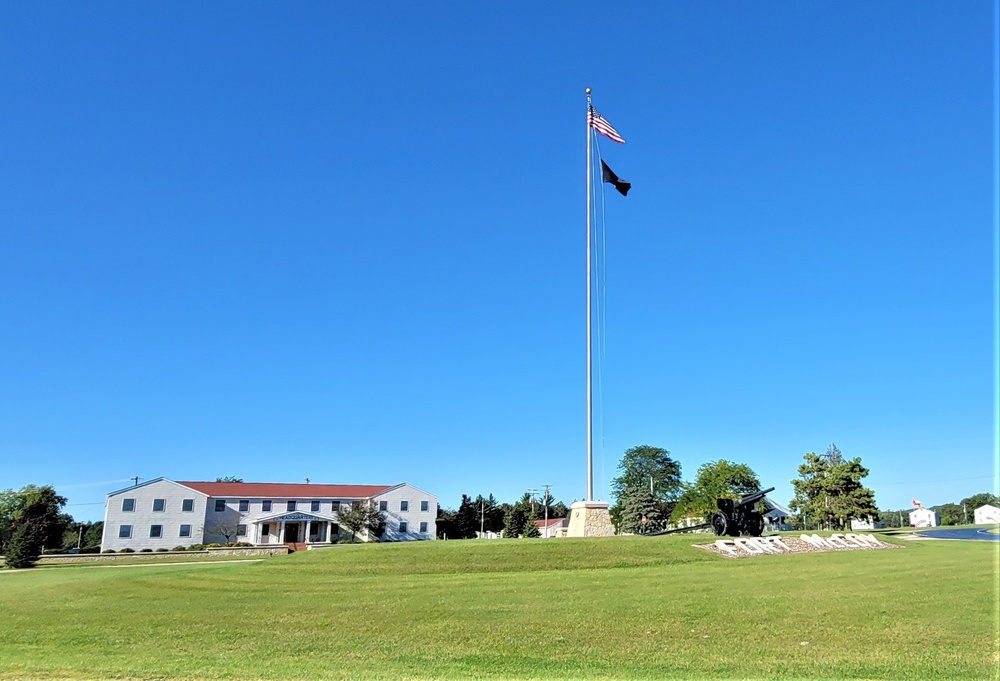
(24, 548)
(213, 545)
(127, 551)
(196, 547)
(179, 548)
(244, 544)
(145, 550)
(110, 551)
(52, 552)
(92, 549)
(161, 550)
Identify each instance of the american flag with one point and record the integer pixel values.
(601, 125)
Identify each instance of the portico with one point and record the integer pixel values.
(295, 527)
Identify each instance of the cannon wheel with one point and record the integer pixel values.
(720, 524)
(753, 526)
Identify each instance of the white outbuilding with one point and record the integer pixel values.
(923, 517)
(987, 515)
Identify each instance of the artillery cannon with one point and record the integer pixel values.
(739, 517)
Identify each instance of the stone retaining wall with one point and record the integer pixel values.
(254, 551)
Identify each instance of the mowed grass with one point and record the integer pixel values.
(617, 608)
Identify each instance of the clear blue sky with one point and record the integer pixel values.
(344, 241)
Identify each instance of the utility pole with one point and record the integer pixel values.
(482, 516)
(651, 483)
(532, 493)
(79, 539)
(545, 501)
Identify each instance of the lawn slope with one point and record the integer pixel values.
(629, 608)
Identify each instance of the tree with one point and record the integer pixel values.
(638, 503)
(981, 499)
(530, 530)
(828, 492)
(35, 523)
(225, 528)
(362, 517)
(513, 523)
(446, 526)
(467, 518)
(229, 478)
(23, 548)
(950, 514)
(644, 465)
(715, 480)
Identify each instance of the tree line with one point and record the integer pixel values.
(960, 513)
(32, 522)
(650, 491)
(486, 514)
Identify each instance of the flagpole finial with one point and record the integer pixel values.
(588, 91)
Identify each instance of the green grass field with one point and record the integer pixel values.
(619, 608)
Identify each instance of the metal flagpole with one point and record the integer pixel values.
(590, 400)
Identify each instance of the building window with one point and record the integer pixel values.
(291, 506)
(335, 507)
(315, 506)
(402, 527)
(244, 505)
(266, 505)
(383, 505)
(159, 505)
(424, 506)
(265, 529)
(423, 528)
(404, 506)
(187, 505)
(220, 505)
(128, 505)
(241, 530)
(124, 531)
(334, 532)
(185, 530)
(155, 531)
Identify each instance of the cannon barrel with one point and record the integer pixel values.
(755, 497)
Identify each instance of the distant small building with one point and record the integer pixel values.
(866, 523)
(987, 515)
(553, 528)
(923, 517)
(777, 517)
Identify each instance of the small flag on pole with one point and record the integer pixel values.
(601, 125)
(609, 176)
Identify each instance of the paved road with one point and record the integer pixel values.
(969, 533)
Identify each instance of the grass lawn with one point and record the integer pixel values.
(619, 608)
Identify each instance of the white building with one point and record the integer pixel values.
(923, 517)
(987, 515)
(162, 514)
(552, 528)
(866, 523)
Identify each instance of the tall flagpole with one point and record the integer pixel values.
(590, 398)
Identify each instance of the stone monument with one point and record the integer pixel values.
(590, 519)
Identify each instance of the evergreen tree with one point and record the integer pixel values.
(24, 547)
(531, 530)
(638, 503)
(513, 523)
(828, 492)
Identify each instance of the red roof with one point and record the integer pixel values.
(286, 490)
(552, 521)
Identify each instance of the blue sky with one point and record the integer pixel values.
(345, 242)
